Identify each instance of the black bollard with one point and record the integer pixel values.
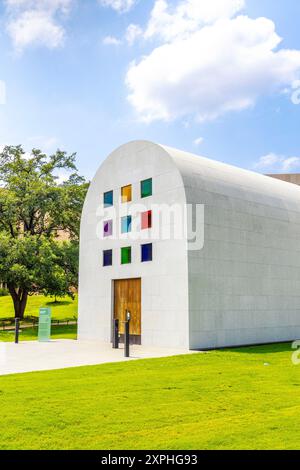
(116, 334)
(126, 339)
(17, 327)
(127, 335)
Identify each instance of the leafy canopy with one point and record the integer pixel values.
(32, 199)
(36, 207)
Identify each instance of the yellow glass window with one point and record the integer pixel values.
(126, 193)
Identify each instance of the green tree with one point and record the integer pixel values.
(35, 208)
(63, 276)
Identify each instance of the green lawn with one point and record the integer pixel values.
(233, 399)
(65, 308)
(30, 334)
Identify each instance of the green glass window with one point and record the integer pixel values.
(126, 255)
(146, 188)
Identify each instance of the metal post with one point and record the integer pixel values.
(17, 326)
(126, 339)
(116, 334)
(127, 335)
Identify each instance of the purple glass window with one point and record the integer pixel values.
(107, 228)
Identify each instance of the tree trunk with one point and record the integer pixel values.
(19, 297)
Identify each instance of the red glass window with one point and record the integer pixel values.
(146, 219)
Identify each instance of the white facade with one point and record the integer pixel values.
(243, 287)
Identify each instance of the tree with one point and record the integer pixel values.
(63, 276)
(34, 209)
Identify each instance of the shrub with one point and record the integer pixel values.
(3, 292)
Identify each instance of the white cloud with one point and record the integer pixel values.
(199, 141)
(273, 162)
(132, 33)
(295, 96)
(267, 161)
(35, 27)
(36, 23)
(188, 16)
(50, 5)
(224, 66)
(111, 41)
(120, 6)
(290, 163)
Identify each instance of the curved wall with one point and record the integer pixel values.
(244, 286)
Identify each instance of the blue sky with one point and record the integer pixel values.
(213, 80)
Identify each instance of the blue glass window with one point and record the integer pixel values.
(146, 252)
(126, 224)
(108, 199)
(107, 257)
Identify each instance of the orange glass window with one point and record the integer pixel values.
(146, 219)
(126, 193)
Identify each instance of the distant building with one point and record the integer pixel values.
(241, 287)
(289, 178)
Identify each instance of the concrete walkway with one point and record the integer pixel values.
(29, 356)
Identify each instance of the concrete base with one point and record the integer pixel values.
(29, 356)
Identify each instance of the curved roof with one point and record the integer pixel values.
(203, 174)
(217, 177)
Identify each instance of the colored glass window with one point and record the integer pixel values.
(108, 199)
(146, 188)
(126, 193)
(146, 252)
(126, 224)
(107, 257)
(146, 219)
(126, 255)
(107, 228)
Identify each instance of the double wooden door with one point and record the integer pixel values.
(127, 297)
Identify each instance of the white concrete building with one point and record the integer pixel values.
(242, 287)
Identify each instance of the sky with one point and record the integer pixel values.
(220, 78)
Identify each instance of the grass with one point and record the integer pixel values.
(244, 398)
(65, 308)
(31, 334)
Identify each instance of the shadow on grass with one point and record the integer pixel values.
(31, 334)
(58, 303)
(261, 349)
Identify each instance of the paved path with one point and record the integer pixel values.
(29, 356)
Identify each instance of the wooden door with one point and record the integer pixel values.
(127, 296)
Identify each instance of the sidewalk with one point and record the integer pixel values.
(29, 356)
